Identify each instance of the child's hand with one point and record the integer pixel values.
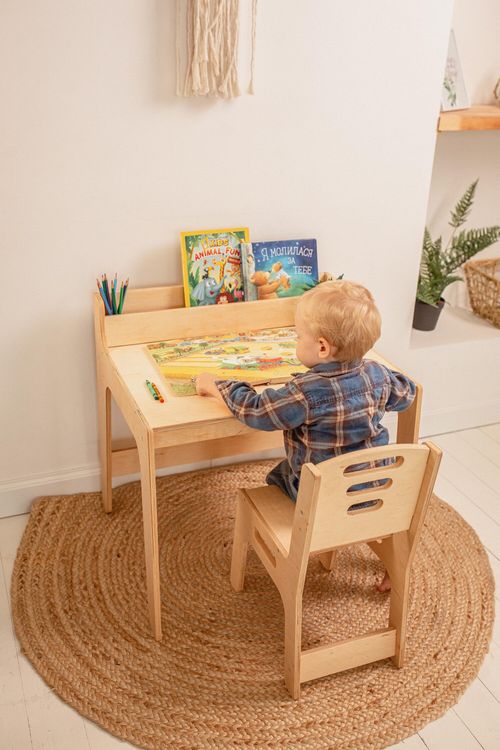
(205, 385)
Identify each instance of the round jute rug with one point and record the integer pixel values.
(216, 680)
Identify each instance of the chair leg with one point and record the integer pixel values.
(327, 559)
(240, 546)
(398, 611)
(395, 553)
(293, 637)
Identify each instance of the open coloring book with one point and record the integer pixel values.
(256, 357)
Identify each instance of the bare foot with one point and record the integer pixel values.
(385, 584)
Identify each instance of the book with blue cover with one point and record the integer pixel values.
(280, 268)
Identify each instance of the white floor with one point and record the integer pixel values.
(32, 717)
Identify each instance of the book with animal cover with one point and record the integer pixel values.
(211, 266)
(281, 268)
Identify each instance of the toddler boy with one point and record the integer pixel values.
(337, 405)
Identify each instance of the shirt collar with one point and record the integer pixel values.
(330, 369)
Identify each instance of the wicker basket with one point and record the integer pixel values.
(483, 283)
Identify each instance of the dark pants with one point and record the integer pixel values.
(283, 477)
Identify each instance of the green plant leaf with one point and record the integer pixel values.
(461, 211)
(468, 243)
(437, 264)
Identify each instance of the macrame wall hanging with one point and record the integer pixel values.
(211, 47)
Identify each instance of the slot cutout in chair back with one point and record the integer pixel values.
(379, 484)
(394, 462)
(356, 508)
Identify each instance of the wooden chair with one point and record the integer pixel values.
(284, 534)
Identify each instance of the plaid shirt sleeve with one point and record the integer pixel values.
(273, 409)
(402, 391)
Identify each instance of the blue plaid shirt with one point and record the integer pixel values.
(333, 408)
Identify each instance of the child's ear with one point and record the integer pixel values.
(325, 350)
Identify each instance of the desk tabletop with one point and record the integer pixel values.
(179, 414)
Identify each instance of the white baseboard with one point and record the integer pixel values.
(454, 419)
(17, 495)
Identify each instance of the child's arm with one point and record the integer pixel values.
(402, 391)
(205, 386)
(273, 409)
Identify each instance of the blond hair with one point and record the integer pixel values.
(345, 314)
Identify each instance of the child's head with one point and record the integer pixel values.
(337, 320)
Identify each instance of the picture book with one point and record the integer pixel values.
(284, 268)
(211, 267)
(256, 357)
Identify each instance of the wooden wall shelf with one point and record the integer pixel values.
(477, 117)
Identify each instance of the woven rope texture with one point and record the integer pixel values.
(216, 680)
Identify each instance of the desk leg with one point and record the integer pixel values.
(145, 446)
(409, 420)
(105, 451)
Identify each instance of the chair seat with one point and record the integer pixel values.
(276, 510)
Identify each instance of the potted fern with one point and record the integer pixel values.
(438, 264)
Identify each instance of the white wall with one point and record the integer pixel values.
(459, 363)
(102, 167)
(460, 158)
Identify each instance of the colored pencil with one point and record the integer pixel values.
(125, 287)
(120, 299)
(113, 298)
(106, 288)
(106, 305)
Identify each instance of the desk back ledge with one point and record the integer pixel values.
(158, 314)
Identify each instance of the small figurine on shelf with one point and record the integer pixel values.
(327, 276)
(496, 93)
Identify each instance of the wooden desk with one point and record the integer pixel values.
(183, 429)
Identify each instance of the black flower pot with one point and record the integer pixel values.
(426, 316)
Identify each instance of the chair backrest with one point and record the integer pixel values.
(326, 495)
